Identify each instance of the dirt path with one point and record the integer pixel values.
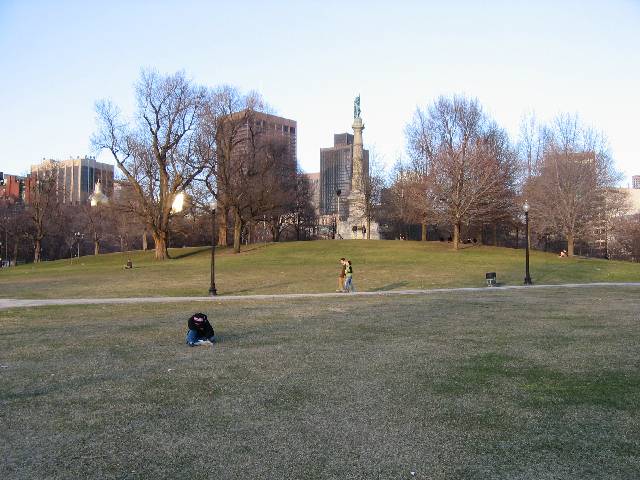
(19, 303)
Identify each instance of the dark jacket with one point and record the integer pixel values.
(203, 327)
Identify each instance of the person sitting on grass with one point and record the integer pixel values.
(200, 330)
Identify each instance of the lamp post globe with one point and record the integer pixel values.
(178, 202)
(527, 276)
(212, 285)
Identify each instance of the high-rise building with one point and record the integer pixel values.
(314, 186)
(76, 177)
(336, 169)
(636, 181)
(242, 127)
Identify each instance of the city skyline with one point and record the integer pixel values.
(577, 58)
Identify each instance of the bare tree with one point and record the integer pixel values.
(98, 221)
(568, 194)
(255, 174)
(466, 168)
(44, 207)
(158, 151)
(531, 143)
(625, 241)
(233, 118)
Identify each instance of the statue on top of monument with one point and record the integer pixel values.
(356, 107)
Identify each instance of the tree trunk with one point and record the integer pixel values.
(495, 234)
(456, 235)
(237, 231)
(368, 228)
(36, 254)
(160, 241)
(222, 227)
(96, 247)
(144, 240)
(15, 252)
(570, 244)
(275, 232)
(423, 233)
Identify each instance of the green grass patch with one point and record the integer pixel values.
(301, 267)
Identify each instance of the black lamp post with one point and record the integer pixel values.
(212, 287)
(527, 277)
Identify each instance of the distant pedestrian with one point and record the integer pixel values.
(343, 267)
(364, 231)
(200, 330)
(348, 284)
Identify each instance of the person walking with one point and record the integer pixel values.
(343, 264)
(348, 284)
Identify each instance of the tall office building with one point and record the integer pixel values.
(636, 181)
(336, 169)
(248, 125)
(76, 177)
(314, 186)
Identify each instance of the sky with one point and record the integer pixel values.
(310, 59)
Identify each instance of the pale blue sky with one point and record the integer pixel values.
(310, 59)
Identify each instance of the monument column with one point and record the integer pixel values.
(358, 155)
(359, 214)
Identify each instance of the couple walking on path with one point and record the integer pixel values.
(345, 279)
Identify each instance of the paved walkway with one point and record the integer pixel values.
(17, 303)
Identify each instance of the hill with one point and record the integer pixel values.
(300, 267)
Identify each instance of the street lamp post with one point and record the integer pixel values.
(78, 236)
(5, 220)
(212, 286)
(527, 277)
(264, 229)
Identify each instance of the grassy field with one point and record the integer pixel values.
(301, 267)
(533, 384)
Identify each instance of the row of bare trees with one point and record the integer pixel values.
(570, 180)
(464, 172)
(46, 228)
(208, 143)
(461, 170)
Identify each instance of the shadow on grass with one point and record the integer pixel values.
(190, 253)
(258, 290)
(390, 286)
